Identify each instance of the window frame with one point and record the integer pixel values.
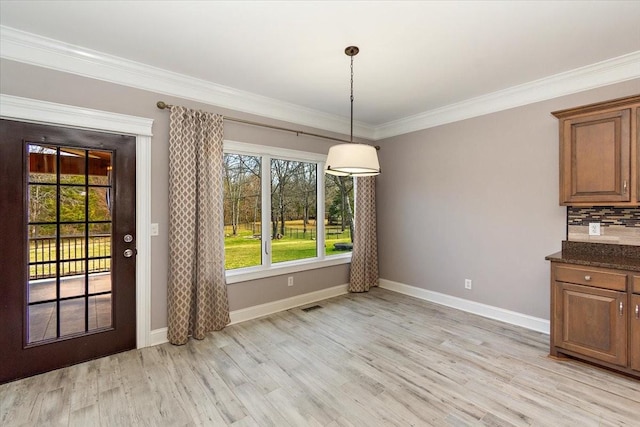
(267, 268)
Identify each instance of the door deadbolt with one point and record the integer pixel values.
(128, 238)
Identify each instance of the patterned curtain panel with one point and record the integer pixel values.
(197, 292)
(364, 259)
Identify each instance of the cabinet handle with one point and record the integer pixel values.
(637, 312)
(624, 187)
(587, 278)
(621, 308)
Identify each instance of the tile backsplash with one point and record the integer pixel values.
(617, 225)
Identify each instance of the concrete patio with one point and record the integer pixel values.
(42, 317)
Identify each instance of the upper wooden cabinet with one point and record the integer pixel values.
(599, 153)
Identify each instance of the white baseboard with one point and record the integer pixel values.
(496, 313)
(261, 310)
(159, 336)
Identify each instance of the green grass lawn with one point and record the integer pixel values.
(244, 250)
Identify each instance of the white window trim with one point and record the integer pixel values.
(267, 269)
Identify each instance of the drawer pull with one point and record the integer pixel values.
(587, 278)
(637, 312)
(620, 308)
(624, 187)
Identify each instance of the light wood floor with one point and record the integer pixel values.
(362, 360)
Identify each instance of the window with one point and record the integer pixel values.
(307, 215)
(338, 213)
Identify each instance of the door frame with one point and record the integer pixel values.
(49, 113)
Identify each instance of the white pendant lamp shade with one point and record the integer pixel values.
(352, 159)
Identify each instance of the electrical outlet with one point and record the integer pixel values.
(594, 229)
(154, 228)
(467, 283)
(290, 281)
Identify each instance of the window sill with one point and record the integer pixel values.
(283, 268)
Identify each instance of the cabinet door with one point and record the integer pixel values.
(591, 321)
(596, 158)
(634, 345)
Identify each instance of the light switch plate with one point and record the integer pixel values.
(154, 229)
(594, 229)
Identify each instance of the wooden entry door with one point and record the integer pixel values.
(67, 247)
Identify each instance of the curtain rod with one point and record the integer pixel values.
(163, 105)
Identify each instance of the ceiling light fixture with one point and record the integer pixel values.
(352, 159)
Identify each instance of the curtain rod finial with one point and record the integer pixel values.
(162, 105)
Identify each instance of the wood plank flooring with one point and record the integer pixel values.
(374, 359)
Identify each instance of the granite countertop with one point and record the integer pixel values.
(622, 257)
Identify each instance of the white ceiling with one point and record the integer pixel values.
(415, 57)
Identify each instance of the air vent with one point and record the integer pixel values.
(313, 307)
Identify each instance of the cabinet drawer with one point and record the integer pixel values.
(591, 277)
(636, 285)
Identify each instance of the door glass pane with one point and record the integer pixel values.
(42, 322)
(42, 163)
(99, 204)
(293, 210)
(100, 312)
(42, 251)
(72, 316)
(72, 268)
(99, 167)
(72, 201)
(99, 247)
(42, 290)
(338, 211)
(72, 286)
(69, 251)
(72, 241)
(42, 203)
(242, 211)
(99, 282)
(72, 166)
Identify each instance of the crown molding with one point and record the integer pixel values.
(33, 49)
(45, 52)
(33, 110)
(611, 71)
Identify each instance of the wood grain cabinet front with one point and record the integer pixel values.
(595, 316)
(592, 322)
(598, 154)
(634, 345)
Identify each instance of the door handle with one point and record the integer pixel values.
(128, 253)
(621, 308)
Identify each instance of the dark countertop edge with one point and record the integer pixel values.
(617, 263)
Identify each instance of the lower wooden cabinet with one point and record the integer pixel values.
(593, 316)
(634, 344)
(591, 321)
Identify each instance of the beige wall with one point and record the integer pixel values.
(478, 199)
(474, 199)
(35, 82)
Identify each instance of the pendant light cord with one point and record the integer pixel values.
(351, 140)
